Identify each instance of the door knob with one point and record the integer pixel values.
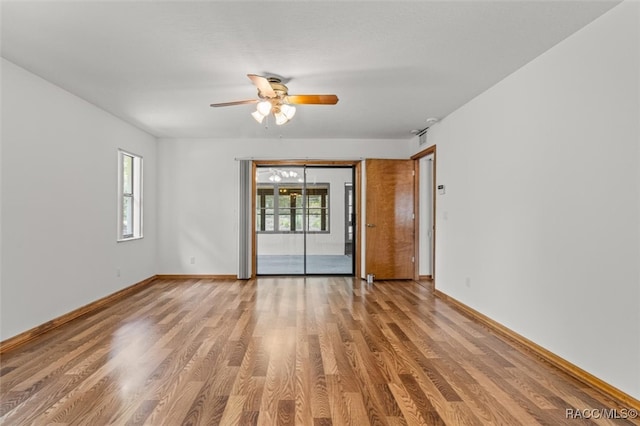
(370, 225)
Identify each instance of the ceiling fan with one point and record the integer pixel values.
(274, 98)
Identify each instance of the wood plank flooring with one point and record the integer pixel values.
(285, 351)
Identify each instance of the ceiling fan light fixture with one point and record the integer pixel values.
(281, 118)
(288, 110)
(264, 107)
(259, 117)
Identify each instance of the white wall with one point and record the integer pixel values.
(540, 225)
(198, 202)
(59, 176)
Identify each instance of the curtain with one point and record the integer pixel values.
(244, 220)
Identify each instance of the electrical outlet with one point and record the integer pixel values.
(192, 261)
(467, 282)
(117, 272)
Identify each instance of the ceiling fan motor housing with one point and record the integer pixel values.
(277, 86)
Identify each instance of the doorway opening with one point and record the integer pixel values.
(426, 218)
(426, 236)
(304, 219)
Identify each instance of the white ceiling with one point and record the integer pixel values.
(393, 64)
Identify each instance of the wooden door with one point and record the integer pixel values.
(390, 223)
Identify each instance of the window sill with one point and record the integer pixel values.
(123, 240)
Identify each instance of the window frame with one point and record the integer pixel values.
(134, 197)
(265, 189)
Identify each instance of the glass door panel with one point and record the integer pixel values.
(279, 224)
(326, 245)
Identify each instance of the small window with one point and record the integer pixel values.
(129, 196)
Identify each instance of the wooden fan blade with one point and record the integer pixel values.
(263, 85)
(223, 104)
(312, 99)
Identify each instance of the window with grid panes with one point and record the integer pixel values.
(280, 208)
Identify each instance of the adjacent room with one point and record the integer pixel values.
(320, 213)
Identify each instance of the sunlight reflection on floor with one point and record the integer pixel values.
(129, 346)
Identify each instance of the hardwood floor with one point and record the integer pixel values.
(308, 351)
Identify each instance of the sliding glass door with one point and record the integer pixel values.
(304, 220)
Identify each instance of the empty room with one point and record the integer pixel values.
(320, 212)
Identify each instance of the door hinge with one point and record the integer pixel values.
(413, 259)
(413, 172)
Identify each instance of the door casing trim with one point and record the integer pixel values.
(301, 163)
